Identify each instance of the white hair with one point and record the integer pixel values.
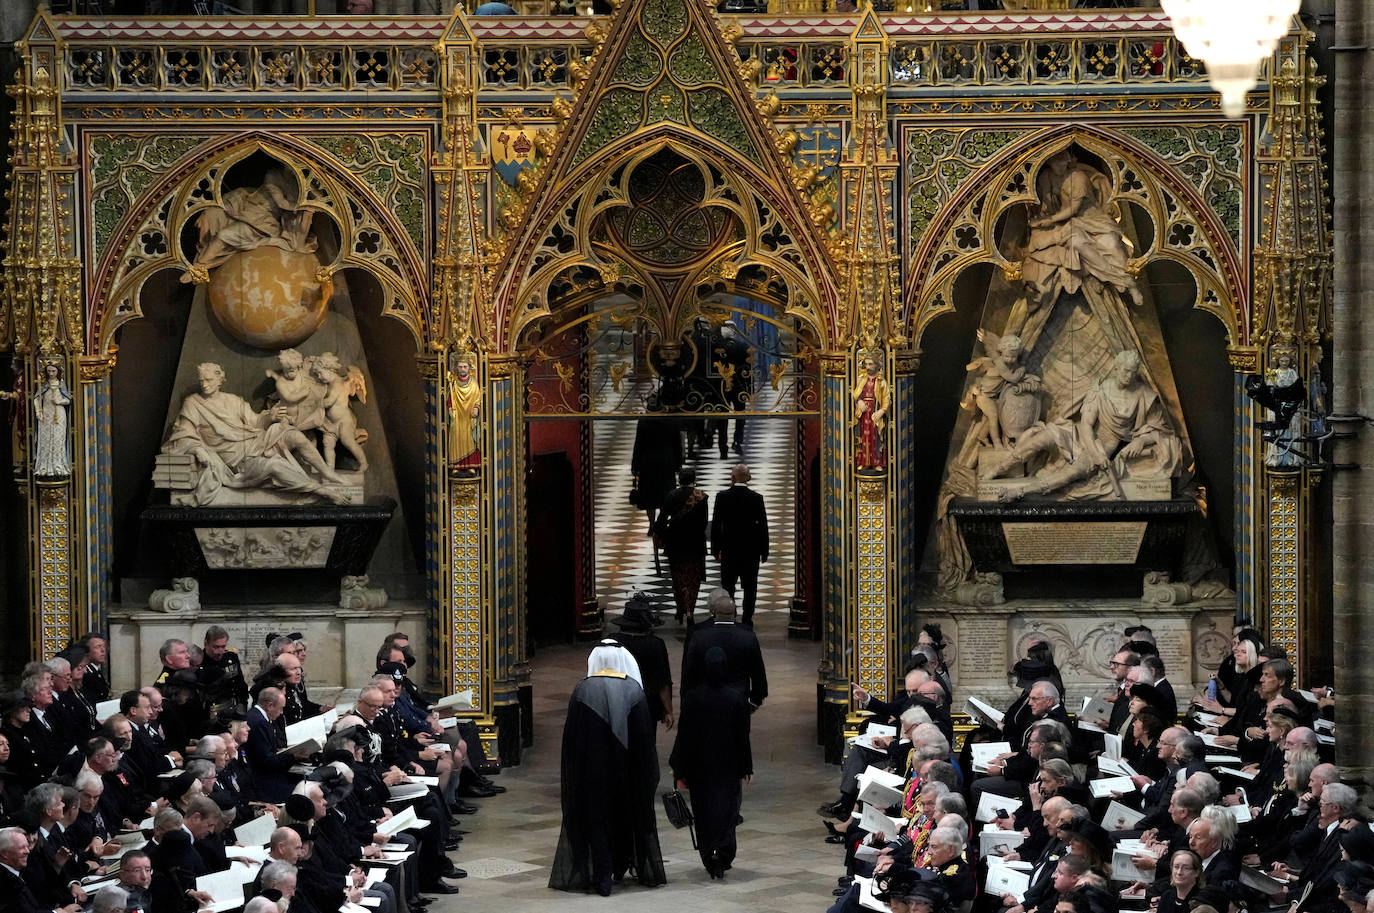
(610, 654)
(110, 900)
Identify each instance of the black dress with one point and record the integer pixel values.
(712, 755)
(609, 788)
(656, 459)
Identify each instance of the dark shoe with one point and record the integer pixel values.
(836, 839)
(421, 901)
(832, 829)
(603, 886)
(476, 791)
(736, 447)
(460, 807)
(844, 881)
(438, 887)
(487, 784)
(455, 872)
(832, 810)
(840, 892)
(452, 843)
(458, 832)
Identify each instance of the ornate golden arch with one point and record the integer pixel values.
(147, 240)
(759, 257)
(1186, 230)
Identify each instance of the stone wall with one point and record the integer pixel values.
(342, 643)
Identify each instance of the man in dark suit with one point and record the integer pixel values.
(14, 858)
(743, 659)
(144, 757)
(271, 771)
(1155, 672)
(739, 537)
(44, 728)
(1213, 840)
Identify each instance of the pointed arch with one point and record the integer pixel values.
(664, 75)
(765, 240)
(147, 240)
(963, 232)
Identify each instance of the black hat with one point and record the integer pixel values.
(937, 637)
(1142, 648)
(333, 783)
(75, 654)
(1214, 896)
(1358, 843)
(397, 671)
(11, 701)
(1091, 833)
(1151, 695)
(178, 786)
(1136, 629)
(1030, 671)
(1284, 711)
(337, 756)
(639, 615)
(299, 807)
(226, 800)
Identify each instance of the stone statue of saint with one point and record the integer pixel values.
(464, 409)
(18, 417)
(50, 402)
(1075, 245)
(248, 218)
(871, 400)
(1121, 432)
(238, 448)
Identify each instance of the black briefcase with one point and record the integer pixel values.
(679, 812)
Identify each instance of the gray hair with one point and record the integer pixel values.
(168, 645)
(1048, 689)
(275, 872)
(207, 747)
(1223, 825)
(214, 633)
(1206, 785)
(169, 819)
(721, 602)
(40, 797)
(9, 834)
(200, 768)
(951, 803)
(260, 904)
(1343, 797)
(914, 716)
(929, 743)
(110, 900)
(87, 779)
(948, 836)
(58, 666)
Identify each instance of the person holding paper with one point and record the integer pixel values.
(1213, 838)
(271, 764)
(609, 780)
(712, 759)
(860, 757)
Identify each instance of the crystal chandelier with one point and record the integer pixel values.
(1232, 37)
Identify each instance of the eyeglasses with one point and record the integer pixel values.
(371, 704)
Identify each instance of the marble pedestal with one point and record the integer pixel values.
(342, 643)
(985, 641)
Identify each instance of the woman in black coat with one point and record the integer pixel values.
(712, 759)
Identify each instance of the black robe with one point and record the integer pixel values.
(609, 787)
(712, 755)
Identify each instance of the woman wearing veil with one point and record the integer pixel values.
(609, 780)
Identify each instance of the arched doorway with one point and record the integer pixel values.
(681, 345)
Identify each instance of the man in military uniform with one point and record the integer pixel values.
(221, 675)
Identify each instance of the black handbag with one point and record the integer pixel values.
(679, 812)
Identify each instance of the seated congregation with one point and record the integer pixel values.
(205, 791)
(1227, 803)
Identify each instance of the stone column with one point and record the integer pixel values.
(837, 659)
(1353, 389)
(503, 535)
